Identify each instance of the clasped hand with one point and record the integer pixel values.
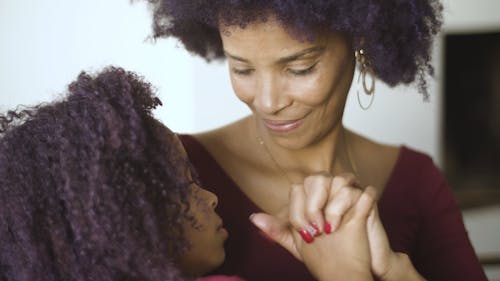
(332, 225)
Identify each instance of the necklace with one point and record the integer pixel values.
(285, 174)
(282, 171)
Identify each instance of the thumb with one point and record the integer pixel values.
(276, 229)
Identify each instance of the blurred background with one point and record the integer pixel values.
(45, 44)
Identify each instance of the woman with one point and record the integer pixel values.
(292, 63)
(94, 188)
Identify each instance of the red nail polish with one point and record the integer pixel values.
(308, 238)
(328, 227)
(314, 230)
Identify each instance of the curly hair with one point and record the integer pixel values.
(91, 186)
(396, 35)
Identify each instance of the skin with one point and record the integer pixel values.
(360, 240)
(207, 235)
(350, 238)
(297, 90)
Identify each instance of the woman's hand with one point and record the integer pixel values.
(326, 201)
(321, 202)
(320, 196)
(343, 254)
(322, 205)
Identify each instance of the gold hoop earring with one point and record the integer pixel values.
(364, 69)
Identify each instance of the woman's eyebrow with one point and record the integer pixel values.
(298, 55)
(292, 57)
(235, 57)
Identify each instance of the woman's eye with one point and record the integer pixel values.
(242, 71)
(302, 71)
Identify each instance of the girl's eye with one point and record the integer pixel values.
(305, 71)
(242, 71)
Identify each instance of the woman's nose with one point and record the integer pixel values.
(269, 97)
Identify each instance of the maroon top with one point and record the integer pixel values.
(220, 278)
(417, 209)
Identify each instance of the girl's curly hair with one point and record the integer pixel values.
(395, 34)
(92, 187)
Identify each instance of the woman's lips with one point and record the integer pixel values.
(282, 126)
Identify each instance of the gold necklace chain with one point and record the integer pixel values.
(282, 171)
(285, 174)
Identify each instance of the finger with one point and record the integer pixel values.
(277, 230)
(341, 180)
(317, 188)
(364, 205)
(373, 217)
(343, 201)
(297, 215)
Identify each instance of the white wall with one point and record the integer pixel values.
(46, 43)
(469, 16)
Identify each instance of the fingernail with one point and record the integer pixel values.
(308, 238)
(328, 227)
(314, 230)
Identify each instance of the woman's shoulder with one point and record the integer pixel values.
(375, 161)
(389, 156)
(229, 139)
(385, 164)
(415, 163)
(413, 175)
(228, 146)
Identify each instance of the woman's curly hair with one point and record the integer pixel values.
(396, 35)
(92, 187)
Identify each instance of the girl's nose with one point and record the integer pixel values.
(212, 199)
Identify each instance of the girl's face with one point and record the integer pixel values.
(295, 88)
(205, 234)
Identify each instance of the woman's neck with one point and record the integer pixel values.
(330, 154)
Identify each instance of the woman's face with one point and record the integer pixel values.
(205, 234)
(296, 88)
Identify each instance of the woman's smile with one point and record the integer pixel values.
(282, 126)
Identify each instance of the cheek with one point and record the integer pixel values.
(313, 91)
(243, 88)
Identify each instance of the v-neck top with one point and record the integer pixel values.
(417, 208)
